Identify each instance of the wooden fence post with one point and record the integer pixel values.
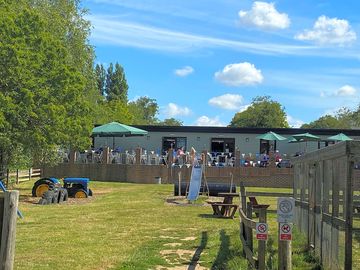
(7, 177)
(17, 176)
(262, 243)
(8, 206)
(248, 230)
(284, 253)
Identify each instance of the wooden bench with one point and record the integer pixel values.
(255, 205)
(220, 209)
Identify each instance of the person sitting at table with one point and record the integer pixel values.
(264, 160)
(278, 159)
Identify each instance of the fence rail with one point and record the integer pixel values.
(22, 175)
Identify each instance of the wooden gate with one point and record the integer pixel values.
(324, 186)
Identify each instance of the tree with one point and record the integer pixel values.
(47, 84)
(171, 122)
(327, 121)
(100, 74)
(145, 110)
(116, 84)
(263, 112)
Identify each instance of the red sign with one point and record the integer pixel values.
(261, 231)
(285, 232)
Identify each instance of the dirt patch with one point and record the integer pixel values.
(172, 244)
(190, 238)
(167, 237)
(179, 259)
(182, 267)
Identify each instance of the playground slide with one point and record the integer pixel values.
(195, 183)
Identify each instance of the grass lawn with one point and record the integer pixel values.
(131, 226)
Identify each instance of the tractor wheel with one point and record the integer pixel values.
(63, 195)
(40, 187)
(55, 198)
(80, 194)
(43, 201)
(90, 192)
(48, 196)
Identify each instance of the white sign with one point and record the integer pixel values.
(285, 209)
(261, 231)
(285, 231)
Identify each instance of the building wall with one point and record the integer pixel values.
(246, 142)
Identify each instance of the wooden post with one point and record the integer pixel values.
(179, 191)
(105, 155)
(349, 214)
(262, 243)
(17, 176)
(242, 196)
(284, 253)
(248, 230)
(237, 157)
(8, 232)
(7, 177)
(72, 157)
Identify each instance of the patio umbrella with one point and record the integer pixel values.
(115, 129)
(340, 137)
(271, 136)
(306, 137)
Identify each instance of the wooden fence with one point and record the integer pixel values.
(247, 225)
(8, 208)
(22, 175)
(324, 200)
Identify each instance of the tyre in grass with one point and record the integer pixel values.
(80, 194)
(41, 186)
(63, 195)
(55, 198)
(90, 192)
(47, 197)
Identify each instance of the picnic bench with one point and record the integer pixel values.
(227, 208)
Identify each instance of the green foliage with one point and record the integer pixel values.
(46, 78)
(116, 87)
(263, 112)
(145, 110)
(171, 122)
(326, 121)
(100, 74)
(115, 110)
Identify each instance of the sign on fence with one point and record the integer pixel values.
(285, 232)
(261, 231)
(285, 210)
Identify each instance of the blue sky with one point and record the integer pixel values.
(205, 60)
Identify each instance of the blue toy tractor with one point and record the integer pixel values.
(77, 187)
(51, 191)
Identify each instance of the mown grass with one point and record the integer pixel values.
(128, 226)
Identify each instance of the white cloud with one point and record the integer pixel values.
(173, 110)
(239, 74)
(293, 122)
(227, 101)
(113, 31)
(207, 121)
(183, 72)
(264, 16)
(345, 90)
(329, 31)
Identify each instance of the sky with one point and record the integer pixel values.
(205, 60)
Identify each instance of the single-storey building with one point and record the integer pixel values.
(220, 139)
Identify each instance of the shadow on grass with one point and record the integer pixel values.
(199, 250)
(224, 253)
(207, 216)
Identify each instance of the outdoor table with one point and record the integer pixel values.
(223, 209)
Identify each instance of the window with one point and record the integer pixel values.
(222, 145)
(173, 142)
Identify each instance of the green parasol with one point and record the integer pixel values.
(271, 136)
(340, 137)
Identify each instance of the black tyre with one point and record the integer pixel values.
(63, 195)
(40, 187)
(90, 192)
(48, 196)
(56, 196)
(43, 201)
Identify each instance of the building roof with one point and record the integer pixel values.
(289, 131)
